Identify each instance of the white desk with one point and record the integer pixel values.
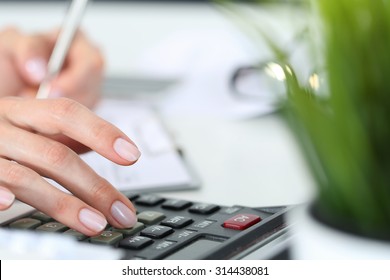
(251, 162)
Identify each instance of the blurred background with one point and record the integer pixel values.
(180, 56)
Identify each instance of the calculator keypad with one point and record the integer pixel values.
(164, 227)
(150, 217)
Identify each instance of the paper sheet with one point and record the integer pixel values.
(160, 167)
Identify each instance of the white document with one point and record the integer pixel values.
(160, 166)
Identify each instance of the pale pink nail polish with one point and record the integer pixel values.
(6, 198)
(92, 220)
(126, 150)
(36, 69)
(123, 214)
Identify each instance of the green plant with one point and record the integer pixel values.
(345, 134)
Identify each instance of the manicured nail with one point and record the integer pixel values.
(123, 214)
(36, 69)
(92, 220)
(126, 150)
(6, 197)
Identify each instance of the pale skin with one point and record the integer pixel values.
(42, 137)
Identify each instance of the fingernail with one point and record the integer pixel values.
(92, 220)
(123, 214)
(126, 150)
(36, 69)
(6, 198)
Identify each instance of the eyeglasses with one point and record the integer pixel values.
(265, 82)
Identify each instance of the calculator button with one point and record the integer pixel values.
(149, 200)
(26, 223)
(203, 208)
(202, 224)
(158, 250)
(135, 242)
(230, 210)
(131, 195)
(107, 238)
(176, 204)
(52, 227)
(42, 217)
(130, 231)
(177, 222)
(163, 245)
(241, 221)
(78, 235)
(150, 217)
(156, 231)
(182, 236)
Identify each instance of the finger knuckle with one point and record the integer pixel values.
(15, 174)
(63, 204)
(99, 129)
(65, 108)
(100, 190)
(56, 155)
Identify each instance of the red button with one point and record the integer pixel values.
(241, 221)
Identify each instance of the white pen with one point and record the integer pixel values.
(64, 40)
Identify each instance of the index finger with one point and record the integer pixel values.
(67, 117)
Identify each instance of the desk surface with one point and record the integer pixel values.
(251, 162)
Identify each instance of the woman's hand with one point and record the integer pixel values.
(34, 138)
(23, 66)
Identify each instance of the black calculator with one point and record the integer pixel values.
(179, 229)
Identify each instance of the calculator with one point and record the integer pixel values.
(178, 229)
